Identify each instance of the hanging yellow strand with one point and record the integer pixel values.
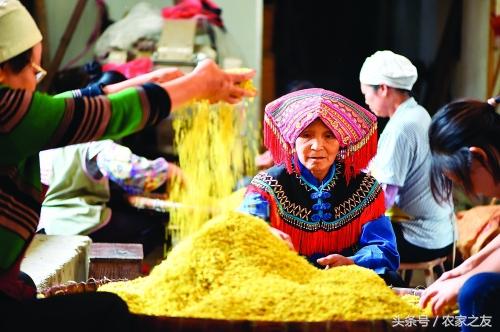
(216, 145)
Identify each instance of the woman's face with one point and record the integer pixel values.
(483, 182)
(26, 78)
(317, 148)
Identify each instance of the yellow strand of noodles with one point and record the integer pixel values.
(216, 145)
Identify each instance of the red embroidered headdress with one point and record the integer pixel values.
(354, 127)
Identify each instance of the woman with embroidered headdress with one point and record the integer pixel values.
(316, 197)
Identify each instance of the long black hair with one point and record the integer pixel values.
(454, 129)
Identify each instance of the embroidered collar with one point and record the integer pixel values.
(320, 207)
(309, 179)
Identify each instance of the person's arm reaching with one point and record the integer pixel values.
(443, 293)
(158, 76)
(390, 192)
(208, 81)
(66, 120)
(133, 173)
(473, 261)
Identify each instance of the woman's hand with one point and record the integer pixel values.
(208, 81)
(334, 260)
(467, 266)
(174, 173)
(217, 84)
(442, 295)
(283, 236)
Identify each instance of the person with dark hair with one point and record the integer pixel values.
(461, 143)
(424, 229)
(316, 197)
(31, 122)
(465, 146)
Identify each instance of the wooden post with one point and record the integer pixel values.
(63, 45)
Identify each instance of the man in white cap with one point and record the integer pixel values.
(424, 229)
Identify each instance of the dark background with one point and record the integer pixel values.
(326, 42)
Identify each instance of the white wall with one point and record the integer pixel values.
(243, 19)
(244, 22)
(60, 11)
(58, 14)
(472, 70)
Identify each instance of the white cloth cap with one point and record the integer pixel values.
(18, 30)
(386, 67)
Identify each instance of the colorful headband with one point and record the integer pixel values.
(354, 127)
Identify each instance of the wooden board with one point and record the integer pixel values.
(115, 260)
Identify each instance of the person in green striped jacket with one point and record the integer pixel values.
(31, 122)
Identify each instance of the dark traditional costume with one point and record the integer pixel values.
(343, 213)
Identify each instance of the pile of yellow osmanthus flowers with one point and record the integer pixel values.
(234, 268)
